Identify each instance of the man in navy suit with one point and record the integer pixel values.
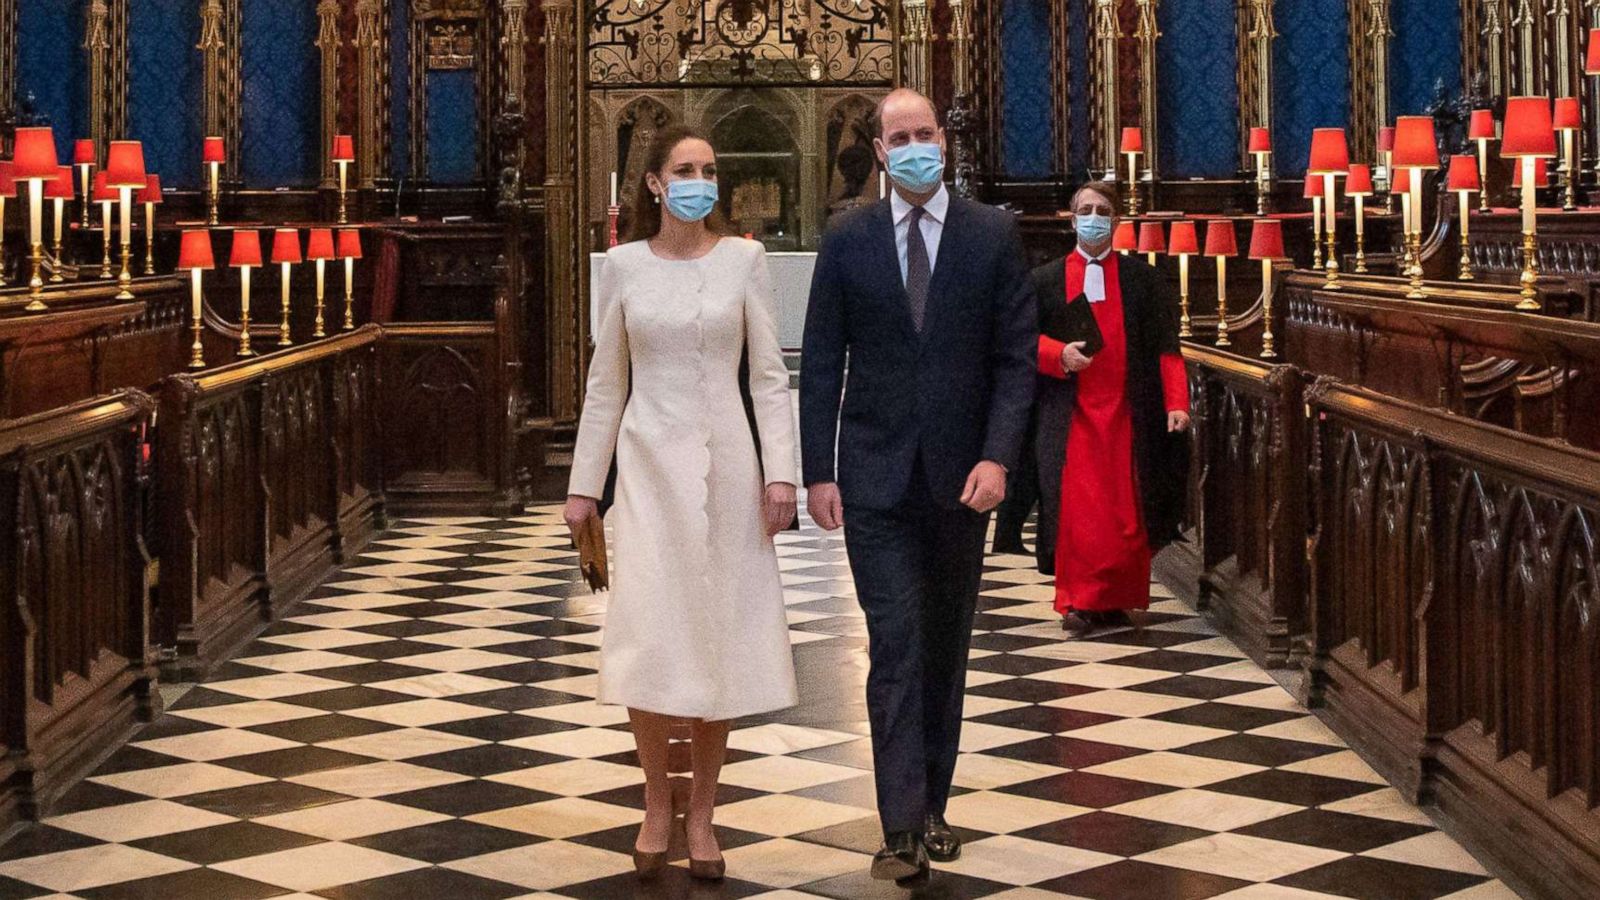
(916, 380)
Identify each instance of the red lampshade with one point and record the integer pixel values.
(60, 187)
(125, 165)
(1313, 188)
(1401, 182)
(213, 151)
(286, 246)
(83, 152)
(1266, 239)
(349, 243)
(1568, 117)
(1124, 238)
(1220, 240)
(8, 178)
(1482, 125)
(1151, 238)
(151, 193)
(1260, 140)
(1133, 139)
(1414, 144)
(1385, 139)
(33, 150)
(320, 246)
(1359, 182)
(1541, 173)
(102, 191)
(246, 248)
(1591, 65)
(1529, 129)
(344, 148)
(1330, 152)
(1184, 239)
(1464, 173)
(195, 250)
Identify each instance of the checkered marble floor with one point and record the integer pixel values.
(424, 726)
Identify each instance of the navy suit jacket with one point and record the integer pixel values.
(957, 393)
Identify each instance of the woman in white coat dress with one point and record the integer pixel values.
(695, 628)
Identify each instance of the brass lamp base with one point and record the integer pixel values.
(1530, 273)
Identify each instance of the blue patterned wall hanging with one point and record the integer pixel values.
(1026, 149)
(281, 107)
(400, 90)
(1078, 89)
(51, 67)
(452, 126)
(1198, 99)
(1312, 78)
(165, 80)
(1425, 51)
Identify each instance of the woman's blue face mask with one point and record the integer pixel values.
(691, 199)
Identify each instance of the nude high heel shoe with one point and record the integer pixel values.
(649, 865)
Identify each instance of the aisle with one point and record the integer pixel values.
(423, 727)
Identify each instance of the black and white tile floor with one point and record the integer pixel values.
(424, 726)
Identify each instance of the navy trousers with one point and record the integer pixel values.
(917, 567)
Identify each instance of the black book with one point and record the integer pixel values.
(1074, 321)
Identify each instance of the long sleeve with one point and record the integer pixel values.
(822, 360)
(1174, 382)
(1014, 353)
(1050, 357)
(607, 393)
(769, 377)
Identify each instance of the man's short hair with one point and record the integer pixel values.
(1104, 188)
(877, 111)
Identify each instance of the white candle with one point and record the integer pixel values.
(1483, 161)
(36, 210)
(283, 287)
(1332, 206)
(244, 293)
(1361, 217)
(1222, 284)
(105, 225)
(149, 225)
(214, 167)
(342, 181)
(1316, 219)
(1133, 169)
(322, 272)
(194, 293)
(1183, 274)
(83, 172)
(1464, 211)
(1266, 285)
(1529, 201)
(61, 206)
(349, 277)
(613, 187)
(127, 214)
(1405, 212)
(1416, 202)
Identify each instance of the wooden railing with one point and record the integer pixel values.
(268, 469)
(1406, 507)
(76, 668)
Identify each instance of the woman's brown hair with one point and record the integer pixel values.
(644, 219)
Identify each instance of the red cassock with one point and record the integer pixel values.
(1102, 550)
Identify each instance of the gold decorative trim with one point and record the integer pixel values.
(233, 86)
(117, 71)
(916, 29)
(1147, 32)
(384, 148)
(210, 47)
(8, 55)
(1103, 87)
(368, 45)
(328, 42)
(97, 52)
(1060, 84)
(1527, 24)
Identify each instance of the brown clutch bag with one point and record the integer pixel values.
(590, 539)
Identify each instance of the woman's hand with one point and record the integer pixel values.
(778, 507)
(1177, 420)
(579, 510)
(1072, 358)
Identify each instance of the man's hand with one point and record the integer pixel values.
(1177, 420)
(579, 510)
(777, 507)
(824, 505)
(986, 486)
(1072, 358)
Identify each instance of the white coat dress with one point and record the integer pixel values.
(695, 625)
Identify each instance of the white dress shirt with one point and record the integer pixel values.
(1094, 277)
(932, 223)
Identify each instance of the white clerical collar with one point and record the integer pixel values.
(935, 208)
(1103, 254)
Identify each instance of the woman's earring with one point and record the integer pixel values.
(655, 198)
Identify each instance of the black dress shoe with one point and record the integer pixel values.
(1077, 624)
(901, 858)
(1013, 546)
(944, 845)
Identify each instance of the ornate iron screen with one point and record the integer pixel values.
(741, 42)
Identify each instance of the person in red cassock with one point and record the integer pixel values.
(1110, 428)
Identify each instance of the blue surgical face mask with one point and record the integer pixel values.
(1092, 228)
(917, 167)
(691, 199)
